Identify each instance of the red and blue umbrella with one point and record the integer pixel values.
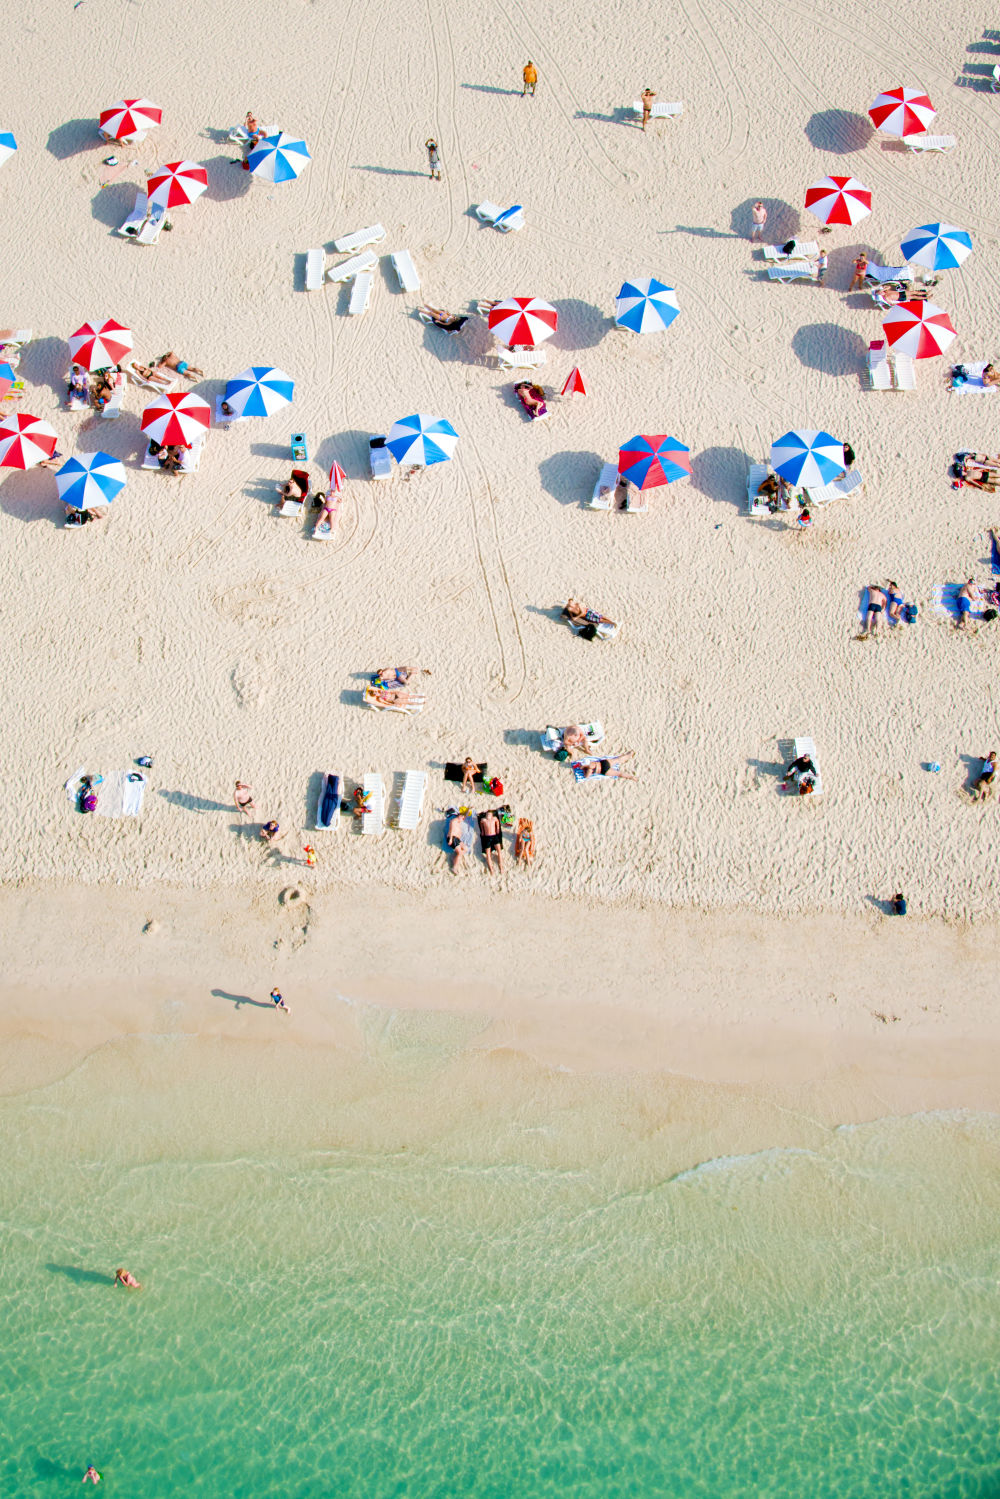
(938, 247)
(90, 479)
(650, 461)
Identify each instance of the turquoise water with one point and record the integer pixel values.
(322, 1317)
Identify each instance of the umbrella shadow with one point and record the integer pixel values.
(74, 136)
(30, 496)
(570, 477)
(783, 221)
(838, 132)
(226, 181)
(44, 361)
(112, 205)
(721, 474)
(829, 348)
(581, 324)
(349, 448)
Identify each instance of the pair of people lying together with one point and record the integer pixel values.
(532, 398)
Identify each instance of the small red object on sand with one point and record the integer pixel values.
(574, 384)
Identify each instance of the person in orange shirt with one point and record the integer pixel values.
(530, 77)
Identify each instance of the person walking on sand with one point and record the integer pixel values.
(758, 215)
(433, 159)
(530, 76)
(647, 96)
(243, 797)
(278, 1002)
(860, 271)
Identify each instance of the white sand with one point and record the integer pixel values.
(197, 627)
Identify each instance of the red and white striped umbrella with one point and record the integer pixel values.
(128, 117)
(176, 417)
(25, 440)
(919, 329)
(177, 183)
(337, 479)
(901, 112)
(839, 200)
(98, 345)
(523, 320)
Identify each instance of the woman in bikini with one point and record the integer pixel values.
(610, 769)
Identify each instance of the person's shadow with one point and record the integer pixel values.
(80, 1276)
(239, 1000)
(884, 907)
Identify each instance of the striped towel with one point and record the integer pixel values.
(944, 601)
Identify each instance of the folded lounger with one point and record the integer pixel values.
(411, 800)
(373, 819)
(315, 262)
(603, 497)
(150, 231)
(328, 803)
(489, 212)
(361, 294)
(379, 458)
(406, 271)
(659, 111)
(349, 243)
(367, 261)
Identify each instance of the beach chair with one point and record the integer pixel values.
(838, 489)
(331, 793)
(488, 212)
(140, 212)
(349, 243)
(603, 497)
(406, 271)
(878, 275)
(756, 504)
(315, 262)
(519, 359)
(510, 220)
(191, 457)
(879, 369)
(238, 135)
(806, 747)
(366, 261)
(792, 270)
(659, 111)
(361, 294)
(150, 231)
(379, 458)
(802, 249)
(373, 819)
(904, 372)
(113, 407)
(636, 500)
(293, 507)
(930, 142)
(411, 800)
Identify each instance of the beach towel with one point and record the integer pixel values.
(577, 767)
(863, 611)
(944, 601)
(133, 792)
(453, 772)
(466, 835)
(974, 380)
(120, 796)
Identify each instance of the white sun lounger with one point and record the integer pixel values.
(930, 142)
(603, 496)
(520, 359)
(659, 111)
(411, 800)
(191, 457)
(315, 262)
(756, 504)
(838, 489)
(413, 704)
(488, 212)
(792, 270)
(379, 460)
(348, 243)
(904, 372)
(406, 271)
(510, 220)
(140, 211)
(806, 747)
(113, 407)
(150, 231)
(879, 368)
(805, 249)
(353, 267)
(361, 294)
(372, 821)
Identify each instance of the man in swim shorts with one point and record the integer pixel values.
(278, 1002)
(491, 838)
(876, 606)
(453, 839)
(968, 595)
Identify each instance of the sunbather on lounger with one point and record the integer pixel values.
(105, 387)
(78, 387)
(172, 362)
(390, 697)
(296, 487)
(574, 738)
(171, 459)
(153, 375)
(329, 509)
(579, 616)
(532, 398)
(802, 773)
(451, 322)
(610, 768)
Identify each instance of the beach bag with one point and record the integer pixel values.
(561, 755)
(88, 801)
(589, 632)
(787, 248)
(990, 614)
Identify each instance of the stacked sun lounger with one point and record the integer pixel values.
(792, 270)
(603, 497)
(411, 800)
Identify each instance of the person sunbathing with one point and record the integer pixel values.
(579, 616)
(172, 362)
(984, 781)
(574, 738)
(451, 322)
(104, 389)
(296, 487)
(980, 478)
(329, 509)
(397, 676)
(532, 398)
(391, 697)
(877, 601)
(610, 769)
(78, 388)
(968, 595)
(991, 375)
(453, 836)
(491, 839)
(151, 374)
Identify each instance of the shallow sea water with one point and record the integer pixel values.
(405, 1278)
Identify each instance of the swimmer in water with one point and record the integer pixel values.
(92, 1476)
(126, 1278)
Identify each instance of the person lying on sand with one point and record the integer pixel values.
(453, 836)
(491, 839)
(610, 768)
(877, 601)
(968, 595)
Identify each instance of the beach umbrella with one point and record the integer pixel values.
(7, 378)
(807, 457)
(25, 440)
(279, 158)
(99, 345)
(523, 320)
(176, 418)
(337, 478)
(128, 117)
(90, 479)
(650, 461)
(574, 383)
(839, 200)
(939, 247)
(918, 328)
(422, 440)
(8, 145)
(901, 112)
(259, 391)
(646, 306)
(177, 183)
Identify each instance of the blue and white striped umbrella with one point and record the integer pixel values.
(8, 145)
(259, 391)
(939, 247)
(279, 158)
(422, 440)
(90, 479)
(807, 457)
(646, 306)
